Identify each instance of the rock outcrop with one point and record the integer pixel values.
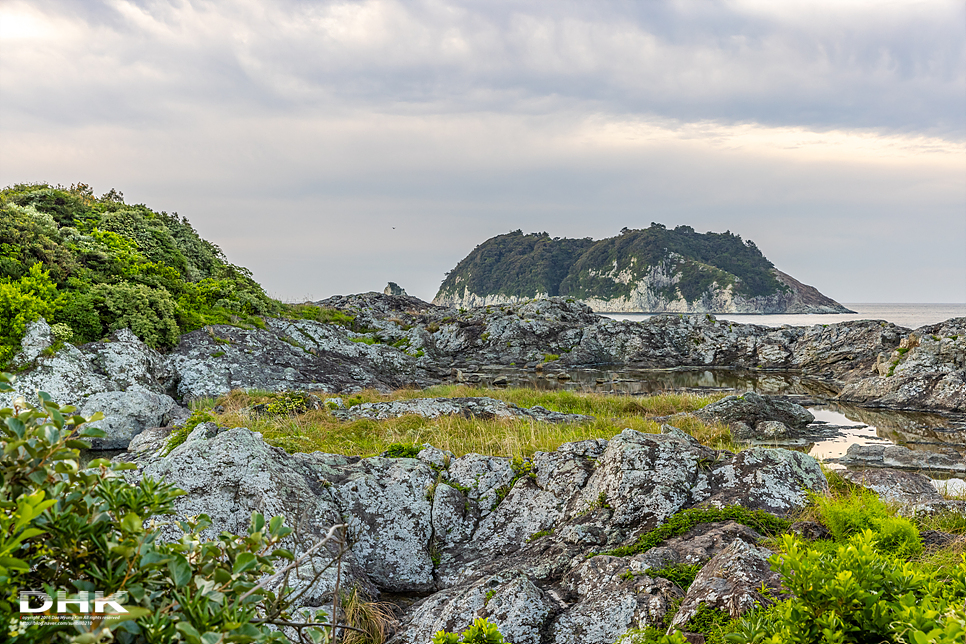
(751, 415)
(927, 370)
(476, 538)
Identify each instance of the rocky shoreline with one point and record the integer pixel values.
(404, 342)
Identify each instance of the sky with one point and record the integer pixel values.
(331, 147)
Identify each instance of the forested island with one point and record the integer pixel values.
(650, 271)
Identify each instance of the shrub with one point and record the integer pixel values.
(859, 510)
(109, 265)
(22, 302)
(480, 632)
(63, 528)
(858, 594)
(402, 450)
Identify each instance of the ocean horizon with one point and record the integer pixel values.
(908, 315)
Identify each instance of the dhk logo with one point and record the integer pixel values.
(82, 602)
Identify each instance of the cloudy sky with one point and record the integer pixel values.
(334, 146)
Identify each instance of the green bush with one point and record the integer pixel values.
(860, 510)
(480, 632)
(857, 593)
(63, 528)
(98, 265)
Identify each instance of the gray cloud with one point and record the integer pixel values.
(298, 134)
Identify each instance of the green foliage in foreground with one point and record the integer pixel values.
(63, 528)
(97, 264)
(856, 593)
(480, 632)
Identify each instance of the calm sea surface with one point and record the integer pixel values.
(910, 316)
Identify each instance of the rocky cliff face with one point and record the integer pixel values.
(652, 270)
(469, 536)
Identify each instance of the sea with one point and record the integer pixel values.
(910, 316)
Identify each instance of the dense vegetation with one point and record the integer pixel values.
(93, 265)
(872, 581)
(80, 531)
(525, 265)
(516, 265)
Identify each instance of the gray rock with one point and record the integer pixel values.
(126, 414)
(508, 599)
(234, 474)
(810, 530)
(927, 370)
(774, 480)
(731, 582)
(287, 356)
(753, 409)
(609, 601)
(902, 458)
(937, 539)
(384, 501)
(772, 429)
(37, 338)
(644, 478)
(395, 289)
(895, 486)
(701, 543)
(415, 526)
(481, 407)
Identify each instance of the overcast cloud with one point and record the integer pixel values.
(333, 146)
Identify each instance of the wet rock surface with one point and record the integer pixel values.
(475, 536)
(903, 458)
(927, 370)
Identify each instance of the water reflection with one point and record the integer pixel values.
(653, 381)
(840, 424)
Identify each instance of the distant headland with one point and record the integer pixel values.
(653, 270)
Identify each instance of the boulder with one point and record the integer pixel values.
(287, 355)
(895, 486)
(753, 409)
(731, 582)
(927, 370)
(697, 545)
(74, 374)
(608, 600)
(229, 474)
(37, 338)
(395, 289)
(126, 414)
(479, 536)
(773, 480)
(508, 599)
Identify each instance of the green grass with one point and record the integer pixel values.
(762, 522)
(321, 431)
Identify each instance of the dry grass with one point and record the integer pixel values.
(320, 431)
(374, 619)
